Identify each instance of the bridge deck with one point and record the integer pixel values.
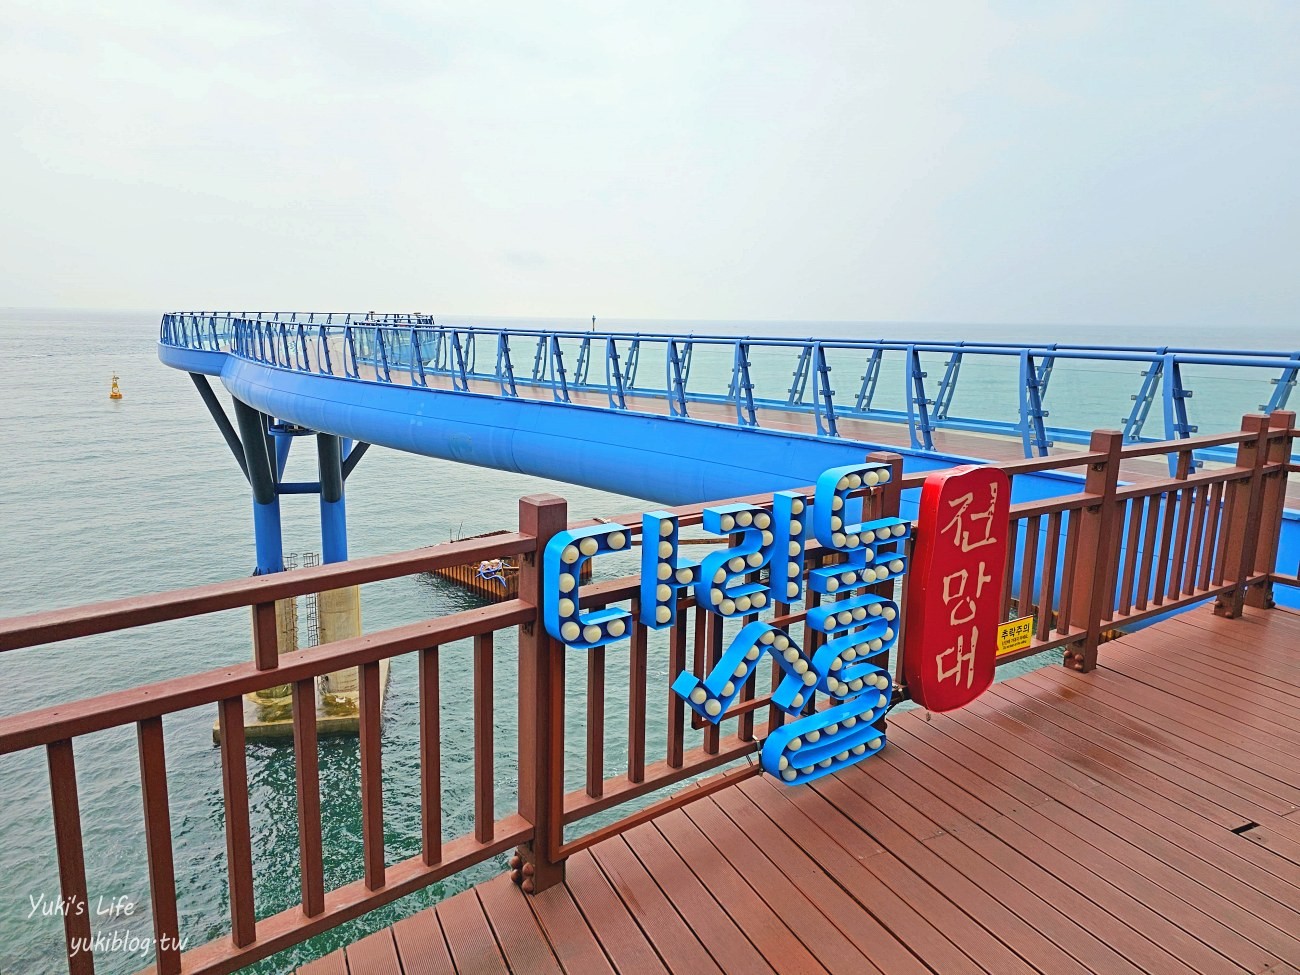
(1140, 818)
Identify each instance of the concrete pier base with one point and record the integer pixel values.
(269, 713)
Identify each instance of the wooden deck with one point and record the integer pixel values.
(1140, 818)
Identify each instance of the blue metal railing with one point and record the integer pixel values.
(411, 348)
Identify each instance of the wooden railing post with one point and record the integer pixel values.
(1240, 537)
(1277, 453)
(541, 709)
(1093, 586)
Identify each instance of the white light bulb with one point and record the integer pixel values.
(781, 641)
(736, 564)
(849, 578)
(720, 575)
(800, 666)
(896, 565)
(715, 596)
(882, 574)
(859, 614)
(665, 550)
(790, 654)
(713, 708)
(758, 599)
(795, 744)
(569, 555)
(796, 507)
(664, 571)
(792, 570)
(567, 582)
(873, 743)
(851, 541)
(792, 590)
(588, 546)
(570, 631)
(845, 617)
(796, 528)
(663, 614)
(889, 633)
(742, 603)
(728, 689)
(832, 729)
(838, 539)
(889, 612)
(762, 519)
(665, 528)
(872, 478)
(884, 474)
(591, 633)
(662, 593)
(810, 678)
(767, 637)
(898, 531)
(683, 576)
(727, 606)
(836, 522)
(745, 518)
(858, 749)
(565, 607)
(850, 721)
(616, 540)
(832, 585)
(699, 695)
(788, 774)
(753, 653)
(767, 538)
(837, 503)
(869, 575)
(825, 763)
(617, 627)
(855, 684)
(754, 559)
(855, 481)
(726, 523)
(868, 537)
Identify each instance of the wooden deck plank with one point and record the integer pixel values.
(1202, 913)
(522, 941)
(882, 814)
(764, 926)
(574, 943)
(673, 940)
(614, 926)
(332, 964)
(835, 950)
(473, 947)
(421, 946)
(727, 942)
(920, 917)
(1130, 926)
(375, 954)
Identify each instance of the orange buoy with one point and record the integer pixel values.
(114, 393)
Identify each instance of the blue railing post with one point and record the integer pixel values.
(559, 382)
(417, 360)
(613, 377)
(1283, 385)
(584, 362)
(1176, 396)
(948, 384)
(799, 380)
(633, 360)
(918, 407)
(869, 379)
(1033, 433)
(505, 368)
(676, 382)
(823, 394)
(742, 388)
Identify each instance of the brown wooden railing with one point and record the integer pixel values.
(1082, 564)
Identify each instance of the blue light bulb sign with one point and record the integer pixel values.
(850, 667)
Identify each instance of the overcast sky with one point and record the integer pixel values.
(1004, 162)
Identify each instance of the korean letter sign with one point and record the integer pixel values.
(955, 597)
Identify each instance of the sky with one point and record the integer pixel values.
(1111, 163)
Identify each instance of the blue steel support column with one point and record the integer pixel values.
(266, 501)
(333, 509)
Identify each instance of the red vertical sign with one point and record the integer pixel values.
(954, 586)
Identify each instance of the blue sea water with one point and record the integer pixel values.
(102, 499)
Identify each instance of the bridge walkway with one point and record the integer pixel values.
(1139, 818)
(985, 447)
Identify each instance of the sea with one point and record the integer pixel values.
(102, 499)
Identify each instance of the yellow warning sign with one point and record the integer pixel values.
(1015, 635)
